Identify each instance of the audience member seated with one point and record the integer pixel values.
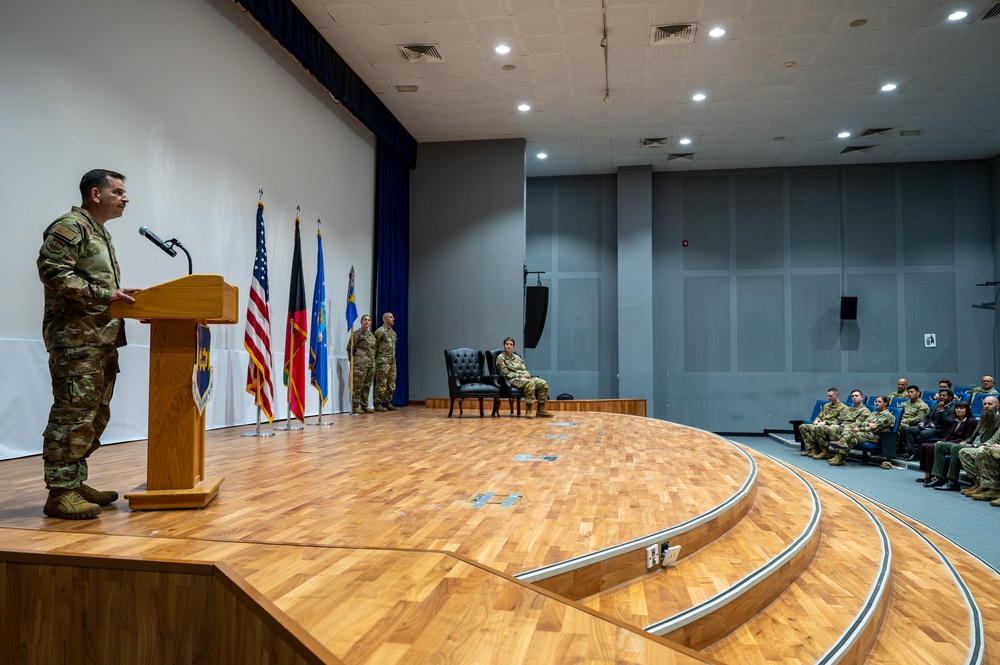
(988, 388)
(931, 428)
(827, 417)
(914, 411)
(902, 390)
(880, 421)
(961, 429)
(983, 464)
(819, 436)
(942, 384)
(511, 367)
(946, 478)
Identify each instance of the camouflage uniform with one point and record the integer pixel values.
(983, 464)
(364, 366)
(984, 434)
(513, 370)
(913, 414)
(978, 390)
(884, 421)
(816, 437)
(830, 413)
(79, 273)
(896, 395)
(385, 364)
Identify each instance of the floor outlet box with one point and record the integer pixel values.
(652, 555)
(670, 555)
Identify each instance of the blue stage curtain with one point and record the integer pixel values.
(297, 35)
(392, 255)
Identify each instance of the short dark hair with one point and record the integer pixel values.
(858, 390)
(945, 391)
(945, 382)
(913, 388)
(511, 340)
(97, 178)
(832, 390)
(965, 405)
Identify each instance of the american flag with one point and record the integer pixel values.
(257, 339)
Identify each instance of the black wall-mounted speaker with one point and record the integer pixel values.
(848, 308)
(536, 306)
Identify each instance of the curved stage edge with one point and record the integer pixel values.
(413, 537)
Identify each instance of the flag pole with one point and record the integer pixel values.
(350, 381)
(257, 432)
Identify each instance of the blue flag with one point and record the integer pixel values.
(352, 308)
(317, 332)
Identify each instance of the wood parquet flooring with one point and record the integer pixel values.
(379, 537)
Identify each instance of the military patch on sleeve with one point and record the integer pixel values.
(58, 240)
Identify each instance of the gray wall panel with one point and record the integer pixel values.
(579, 227)
(706, 222)
(873, 340)
(815, 323)
(466, 253)
(870, 211)
(928, 214)
(578, 312)
(707, 346)
(814, 218)
(929, 307)
(759, 211)
(760, 323)
(540, 211)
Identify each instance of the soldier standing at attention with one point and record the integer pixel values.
(385, 364)
(364, 364)
(80, 278)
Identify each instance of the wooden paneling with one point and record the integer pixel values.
(628, 407)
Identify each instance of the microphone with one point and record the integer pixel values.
(144, 231)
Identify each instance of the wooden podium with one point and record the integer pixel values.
(175, 467)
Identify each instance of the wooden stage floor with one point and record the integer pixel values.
(412, 537)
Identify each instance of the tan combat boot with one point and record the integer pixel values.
(97, 496)
(69, 505)
(379, 408)
(358, 411)
(542, 413)
(368, 409)
(823, 454)
(389, 406)
(969, 491)
(527, 410)
(838, 460)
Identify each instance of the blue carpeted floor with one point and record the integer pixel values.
(971, 524)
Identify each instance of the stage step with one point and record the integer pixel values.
(720, 586)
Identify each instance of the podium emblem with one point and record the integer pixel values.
(203, 377)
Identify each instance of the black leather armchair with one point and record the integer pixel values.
(511, 393)
(465, 379)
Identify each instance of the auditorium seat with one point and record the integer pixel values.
(465, 379)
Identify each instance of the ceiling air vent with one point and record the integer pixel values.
(653, 143)
(421, 53)
(991, 14)
(879, 131)
(909, 132)
(856, 148)
(674, 34)
(680, 155)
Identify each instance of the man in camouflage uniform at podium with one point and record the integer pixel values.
(364, 365)
(80, 278)
(385, 364)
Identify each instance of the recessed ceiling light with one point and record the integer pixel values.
(717, 32)
(778, 138)
(523, 107)
(406, 88)
(541, 155)
(957, 16)
(685, 141)
(698, 97)
(503, 49)
(509, 68)
(888, 86)
(844, 135)
(790, 64)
